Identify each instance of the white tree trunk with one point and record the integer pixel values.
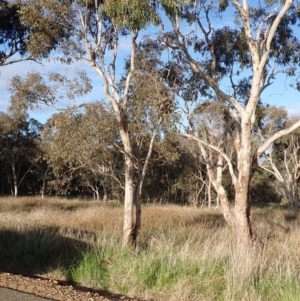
(242, 207)
(209, 193)
(15, 190)
(129, 238)
(15, 179)
(105, 191)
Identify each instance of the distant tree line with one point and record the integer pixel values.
(77, 153)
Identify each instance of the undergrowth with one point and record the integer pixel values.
(182, 254)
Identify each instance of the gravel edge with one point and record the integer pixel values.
(56, 290)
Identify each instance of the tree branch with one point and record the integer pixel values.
(132, 67)
(191, 137)
(272, 31)
(274, 137)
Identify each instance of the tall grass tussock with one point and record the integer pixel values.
(183, 253)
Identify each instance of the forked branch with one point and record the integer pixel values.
(213, 147)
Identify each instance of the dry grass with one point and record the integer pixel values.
(183, 253)
(59, 213)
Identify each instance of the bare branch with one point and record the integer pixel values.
(5, 63)
(116, 47)
(272, 31)
(261, 24)
(132, 67)
(274, 137)
(274, 169)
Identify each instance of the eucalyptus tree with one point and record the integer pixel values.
(21, 42)
(234, 65)
(49, 88)
(82, 141)
(96, 29)
(20, 141)
(151, 112)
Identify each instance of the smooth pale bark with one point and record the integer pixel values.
(15, 179)
(242, 207)
(128, 238)
(128, 226)
(15, 190)
(209, 193)
(243, 227)
(228, 216)
(220, 164)
(238, 219)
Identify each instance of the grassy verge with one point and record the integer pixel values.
(183, 253)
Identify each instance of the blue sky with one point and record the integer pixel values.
(22, 68)
(280, 93)
(43, 113)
